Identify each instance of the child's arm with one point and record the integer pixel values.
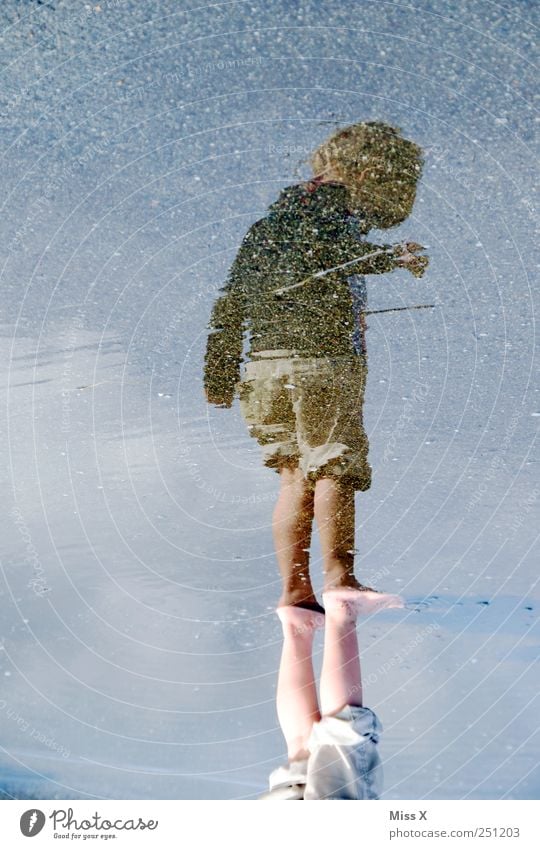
(365, 258)
(372, 259)
(401, 255)
(225, 342)
(379, 259)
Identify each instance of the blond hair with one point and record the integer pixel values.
(352, 151)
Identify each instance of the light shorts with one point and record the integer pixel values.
(343, 763)
(307, 412)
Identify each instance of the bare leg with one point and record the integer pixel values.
(292, 521)
(341, 682)
(334, 512)
(296, 699)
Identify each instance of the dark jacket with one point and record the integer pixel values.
(308, 229)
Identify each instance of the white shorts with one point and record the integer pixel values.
(343, 763)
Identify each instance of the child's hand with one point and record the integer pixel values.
(407, 258)
(413, 247)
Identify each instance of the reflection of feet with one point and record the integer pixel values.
(301, 619)
(343, 581)
(299, 598)
(349, 602)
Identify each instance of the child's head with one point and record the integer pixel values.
(378, 165)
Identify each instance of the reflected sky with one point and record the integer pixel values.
(140, 645)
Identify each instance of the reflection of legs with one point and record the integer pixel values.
(292, 520)
(296, 699)
(334, 512)
(341, 682)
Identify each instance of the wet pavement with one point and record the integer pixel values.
(139, 644)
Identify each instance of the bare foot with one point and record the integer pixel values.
(347, 603)
(300, 598)
(344, 580)
(302, 620)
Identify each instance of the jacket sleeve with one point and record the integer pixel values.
(347, 245)
(225, 340)
(380, 264)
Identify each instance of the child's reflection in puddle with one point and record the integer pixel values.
(294, 284)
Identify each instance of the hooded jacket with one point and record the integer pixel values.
(307, 230)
